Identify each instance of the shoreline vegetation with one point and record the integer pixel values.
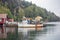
(17, 10)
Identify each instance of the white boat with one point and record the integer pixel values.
(30, 26)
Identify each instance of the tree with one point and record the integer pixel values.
(21, 13)
(6, 10)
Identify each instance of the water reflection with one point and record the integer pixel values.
(31, 34)
(27, 34)
(50, 32)
(53, 33)
(9, 34)
(47, 33)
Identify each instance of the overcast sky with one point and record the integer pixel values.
(50, 5)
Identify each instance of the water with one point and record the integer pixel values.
(50, 32)
(53, 32)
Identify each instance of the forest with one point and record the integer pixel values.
(16, 9)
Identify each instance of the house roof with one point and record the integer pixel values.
(3, 15)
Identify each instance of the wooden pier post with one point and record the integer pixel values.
(3, 28)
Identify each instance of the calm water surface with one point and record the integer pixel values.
(50, 32)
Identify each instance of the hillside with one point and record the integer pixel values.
(17, 9)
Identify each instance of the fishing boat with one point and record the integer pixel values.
(31, 26)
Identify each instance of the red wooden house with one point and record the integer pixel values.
(3, 18)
